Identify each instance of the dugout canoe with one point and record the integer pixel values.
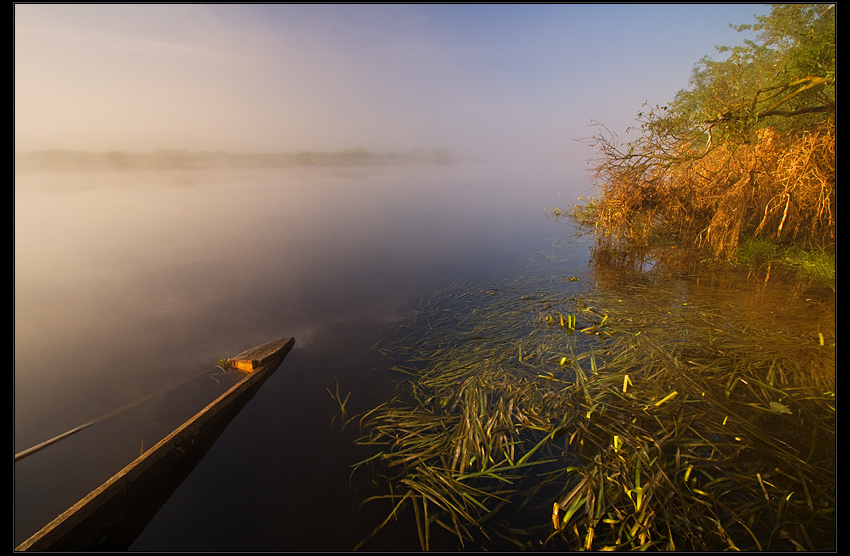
(113, 515)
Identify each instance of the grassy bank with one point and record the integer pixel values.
(805, 263)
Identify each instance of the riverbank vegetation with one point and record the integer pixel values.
(739, 165)
(63, 160)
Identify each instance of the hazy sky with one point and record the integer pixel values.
(474, 78)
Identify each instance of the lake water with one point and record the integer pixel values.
(126, 283)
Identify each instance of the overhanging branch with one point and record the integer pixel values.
(746, 111)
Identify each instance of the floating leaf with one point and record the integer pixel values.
(779, 408)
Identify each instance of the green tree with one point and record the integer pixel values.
(787, 72)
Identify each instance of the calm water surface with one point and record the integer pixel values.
(127, 283)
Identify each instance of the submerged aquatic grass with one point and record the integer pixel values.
(665, 425)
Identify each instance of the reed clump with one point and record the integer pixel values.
(778, 187)
(597, 421)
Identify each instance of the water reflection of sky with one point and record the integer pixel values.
(127, 282)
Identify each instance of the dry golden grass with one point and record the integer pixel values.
(780, 187)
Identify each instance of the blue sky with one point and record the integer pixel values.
(480, 79)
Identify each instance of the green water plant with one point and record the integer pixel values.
(679, 428)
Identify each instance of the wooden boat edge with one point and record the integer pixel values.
(101, 519)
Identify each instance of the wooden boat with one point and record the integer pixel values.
(112, 516)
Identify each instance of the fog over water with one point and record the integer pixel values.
(484, 80)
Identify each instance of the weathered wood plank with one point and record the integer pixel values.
(114, 514)
(251, 359)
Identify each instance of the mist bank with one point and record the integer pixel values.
(64, 160)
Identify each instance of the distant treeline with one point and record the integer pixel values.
(169, 159)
